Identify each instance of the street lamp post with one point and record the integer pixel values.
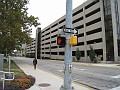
(68, 49)
(36, 43)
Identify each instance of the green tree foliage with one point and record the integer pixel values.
(78, 54)
(15, 24)
(92, 54)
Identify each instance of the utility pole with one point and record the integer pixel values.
(36, 43)
(68, 49)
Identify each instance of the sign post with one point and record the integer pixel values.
(68, 49)
(1, 62)
(9, 61)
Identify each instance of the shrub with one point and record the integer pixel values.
(31, 78)
(21, 82)
(78, 54)
(73, 59)
(11, 87)
(92, 54)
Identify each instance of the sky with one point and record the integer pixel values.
(49, 10)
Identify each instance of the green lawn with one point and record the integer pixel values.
(14, 68)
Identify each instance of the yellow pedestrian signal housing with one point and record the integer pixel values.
(73, 40)
(61, 40)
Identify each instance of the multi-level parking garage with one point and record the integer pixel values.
(97, 22)
(30, 48)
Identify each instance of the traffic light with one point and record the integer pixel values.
(73, 40)
(61, 40)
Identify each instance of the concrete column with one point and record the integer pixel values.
(85, 43)
(103, 30)
(114, 30)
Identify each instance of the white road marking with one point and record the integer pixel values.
(82, 69)
(118, 76)
(117, 88)
(60, 70)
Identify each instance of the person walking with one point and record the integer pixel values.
(35, 63)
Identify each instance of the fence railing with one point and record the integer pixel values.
(6, 76)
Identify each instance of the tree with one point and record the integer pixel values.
(15, 24)
(92, 54)
(78, 54)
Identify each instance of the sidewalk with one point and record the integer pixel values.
(45, 80)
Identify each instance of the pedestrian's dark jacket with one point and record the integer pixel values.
(34, 62)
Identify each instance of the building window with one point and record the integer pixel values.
(80, 35)
(93, 12)
(94, 31)
(94, 41)
(91, 4)
(94, 21)
(53, 53)
(61, 53)
(61, 21)
(54, 25)
(77, 12)
(77, 20)
(82, 53)
(80, 43)
(53, 47)
(79, 27)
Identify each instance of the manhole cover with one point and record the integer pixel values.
(44, 84)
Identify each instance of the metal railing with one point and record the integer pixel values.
(6, 76)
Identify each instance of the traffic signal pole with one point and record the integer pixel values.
(68, 50)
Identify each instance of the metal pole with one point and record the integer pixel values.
(9, 63)
(36, 41)
(1, 61)
(3, 80)
(9, 75)
(68, 49)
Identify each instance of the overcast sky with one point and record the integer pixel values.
(49, 10)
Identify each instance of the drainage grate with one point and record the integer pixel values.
(44, 84)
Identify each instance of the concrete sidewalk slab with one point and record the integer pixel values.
(45, 80)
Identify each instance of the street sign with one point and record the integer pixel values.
(70, 30)
(75, 31)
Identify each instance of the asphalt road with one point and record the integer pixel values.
(100, 78)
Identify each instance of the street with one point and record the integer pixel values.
(100, 78)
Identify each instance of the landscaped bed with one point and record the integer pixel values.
(21, 81)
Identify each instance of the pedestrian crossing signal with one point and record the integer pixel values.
(73, 40)
(61, 40)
